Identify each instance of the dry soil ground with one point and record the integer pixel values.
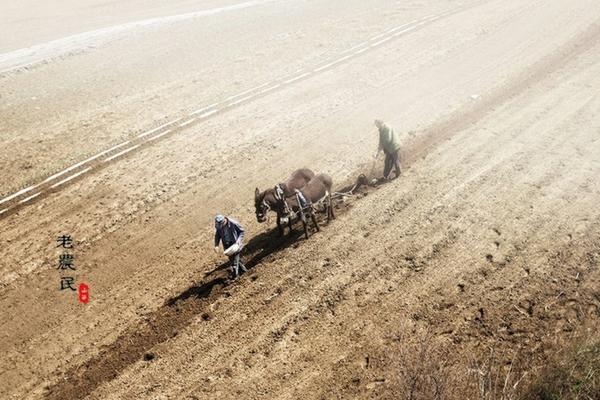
(490, 238)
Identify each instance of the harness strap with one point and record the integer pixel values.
(266, 205)
(301, 199)
(279, 193)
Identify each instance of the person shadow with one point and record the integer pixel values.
(260, 246)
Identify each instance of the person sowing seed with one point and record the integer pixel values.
(229, 232)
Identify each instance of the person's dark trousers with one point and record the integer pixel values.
(391, 160)
(236, 264)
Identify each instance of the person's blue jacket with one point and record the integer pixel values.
(232, 230)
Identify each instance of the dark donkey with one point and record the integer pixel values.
(272, 199)
(302, 203)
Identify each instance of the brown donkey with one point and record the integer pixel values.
(272, 199)
(302, 203)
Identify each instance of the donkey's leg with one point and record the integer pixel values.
(305, 226)
(241, 265)
(314, 220)
(233, 267)
(330, 214)
(279, 227)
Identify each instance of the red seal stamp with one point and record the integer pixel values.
(84, 293)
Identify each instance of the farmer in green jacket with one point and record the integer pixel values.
(390, 144)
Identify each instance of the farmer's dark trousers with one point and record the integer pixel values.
(236, 264)
(391, 160)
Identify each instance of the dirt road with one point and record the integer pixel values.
(490, 238)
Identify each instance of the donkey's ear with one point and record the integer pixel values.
(256, 193)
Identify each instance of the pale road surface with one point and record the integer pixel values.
(494, 216)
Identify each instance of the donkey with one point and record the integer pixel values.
(303, 201)
(271, 199)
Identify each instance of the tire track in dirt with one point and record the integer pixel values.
(82, 42)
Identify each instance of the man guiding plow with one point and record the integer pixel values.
(390, 144)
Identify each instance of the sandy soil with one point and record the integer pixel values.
(489, 238)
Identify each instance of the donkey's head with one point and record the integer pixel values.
(261, 204)
(269, 200)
